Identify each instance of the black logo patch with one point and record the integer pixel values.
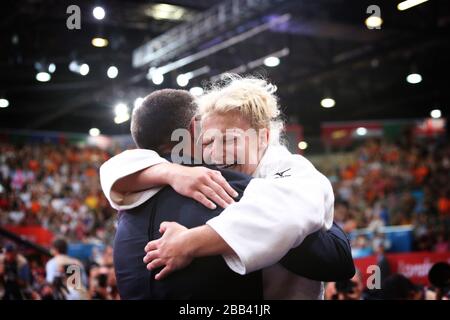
(282, 174)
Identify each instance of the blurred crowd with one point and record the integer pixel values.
(57, 187)
(395, 184)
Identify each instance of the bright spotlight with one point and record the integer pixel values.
(43, 76)
(361, 131)
(157, 78)
(112, 72)
(196, 91)
(138, 102)
(182, 80)
(122, 114)
(120, 109)
(374, 22)
(414, 78)
(51, 67)
(302, 145)
(4, 103)
(271, 61)
(121, 118)
(98, 13)
(94, 132)
(99, 42)
(84, 69)
(436, 113)
(328, 103)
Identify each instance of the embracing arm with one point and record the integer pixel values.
(322, 256)
(271, 218)
(123, 166)
(134, 176)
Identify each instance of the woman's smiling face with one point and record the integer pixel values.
(229, 141)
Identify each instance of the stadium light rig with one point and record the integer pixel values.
(405, 5)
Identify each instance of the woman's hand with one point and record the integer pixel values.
(204, 185)
(170, 251)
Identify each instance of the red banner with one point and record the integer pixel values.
(414, 266)
(35, 234)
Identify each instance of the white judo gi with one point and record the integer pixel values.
(287, 200)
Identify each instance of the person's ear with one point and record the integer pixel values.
(264, 136)
(192, 127)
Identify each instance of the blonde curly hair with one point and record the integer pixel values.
(254, 98)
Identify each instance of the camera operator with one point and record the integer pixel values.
(15, 274)
(58, 269)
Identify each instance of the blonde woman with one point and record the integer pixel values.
(287, 200)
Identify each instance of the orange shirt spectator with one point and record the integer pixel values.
(33, 165)
(444, 205)
(35, 207)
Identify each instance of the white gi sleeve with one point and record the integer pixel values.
(122, 165)
(273, 216)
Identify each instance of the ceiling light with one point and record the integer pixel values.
(436, 113)
(374, 22)
(271, 61)
(414, 78)
(165, 11)
(51, 68)
(94, 132)
(361, 131)
(196, 91)
(112, 72)
(121, 118)
(183, 80)
(84, 69)
(328, 103)
(155, 75)
(4, 103)
(43, 76)
(99, 42)
(302, 145)
(98, 13)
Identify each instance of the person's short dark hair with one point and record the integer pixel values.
(60, 245)
(439, 275)
(161, 113)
